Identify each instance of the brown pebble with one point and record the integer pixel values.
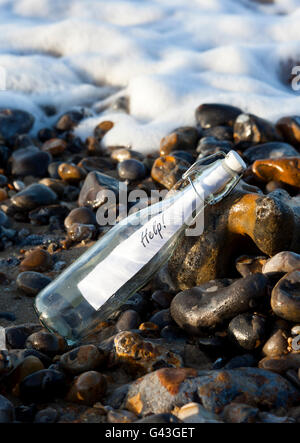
(102, 128)
(276, 345)
(54, 146)
(70, 173)
(3, 195)
(36, 260)
(168, 170)
(286, 170)
(88, 388)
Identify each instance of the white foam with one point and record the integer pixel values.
(168, 56)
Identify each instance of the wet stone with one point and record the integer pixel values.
(285, 298)
(185, 138)
(289, 127)
(276, 345)
(94, 187)
(81, 359)
(78, 232)
(80, 215)
(121, 154)
(33, 196)
(87, 388)
(55, 146)
(247, 331)
(7, 412)
(184, 155)
(69, 120)
(36, 260)
(16, 336)
(131, 169)
(100, 164)
(46, 343)
(54, 184)
(129, 319)
(43, 385)
(70, 173)
(194, 309)
(271, 150)
(28, 366)
(14, 121)
(32, 282)
(102, 128)
(30, 161)
(211, 114)
(285, 170)
(249, 128)
(168, 170)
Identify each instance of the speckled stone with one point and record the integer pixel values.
(87, 388)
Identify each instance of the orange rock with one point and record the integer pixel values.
(181, 139)
(3, 195)
(103, 128)
(70, 173)
(36, 260)
(171, 378)
(289, 127)
(286, 170)
(168, 170)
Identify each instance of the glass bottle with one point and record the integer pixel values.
(124, 260)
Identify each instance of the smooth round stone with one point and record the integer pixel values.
(32, 282)
(53, 169)
(37, 260)
(28, 366)
(19, 185)
(285, 170)
(47, 415)
(159, 418)
(121, 416)
(219, 132)
(161, 318)
(272, 150)
(69, 120)
(30, 161)
(211, 145)
(33, 196)
(7, 412)
(4, 220)
(87, 388)
(289, 127)
(196, 413)
(285, 261)
(14, 121)
(247, 331)
(70, 173)
(285, 298)
(55, 146)
(276, 345)
(162, 298)
(213, 114)
(129, 319)
(3, 180)
(80, 215)
(46, 343)
(131, 169)
(81, 359)
(43, 385)
(196, 309)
